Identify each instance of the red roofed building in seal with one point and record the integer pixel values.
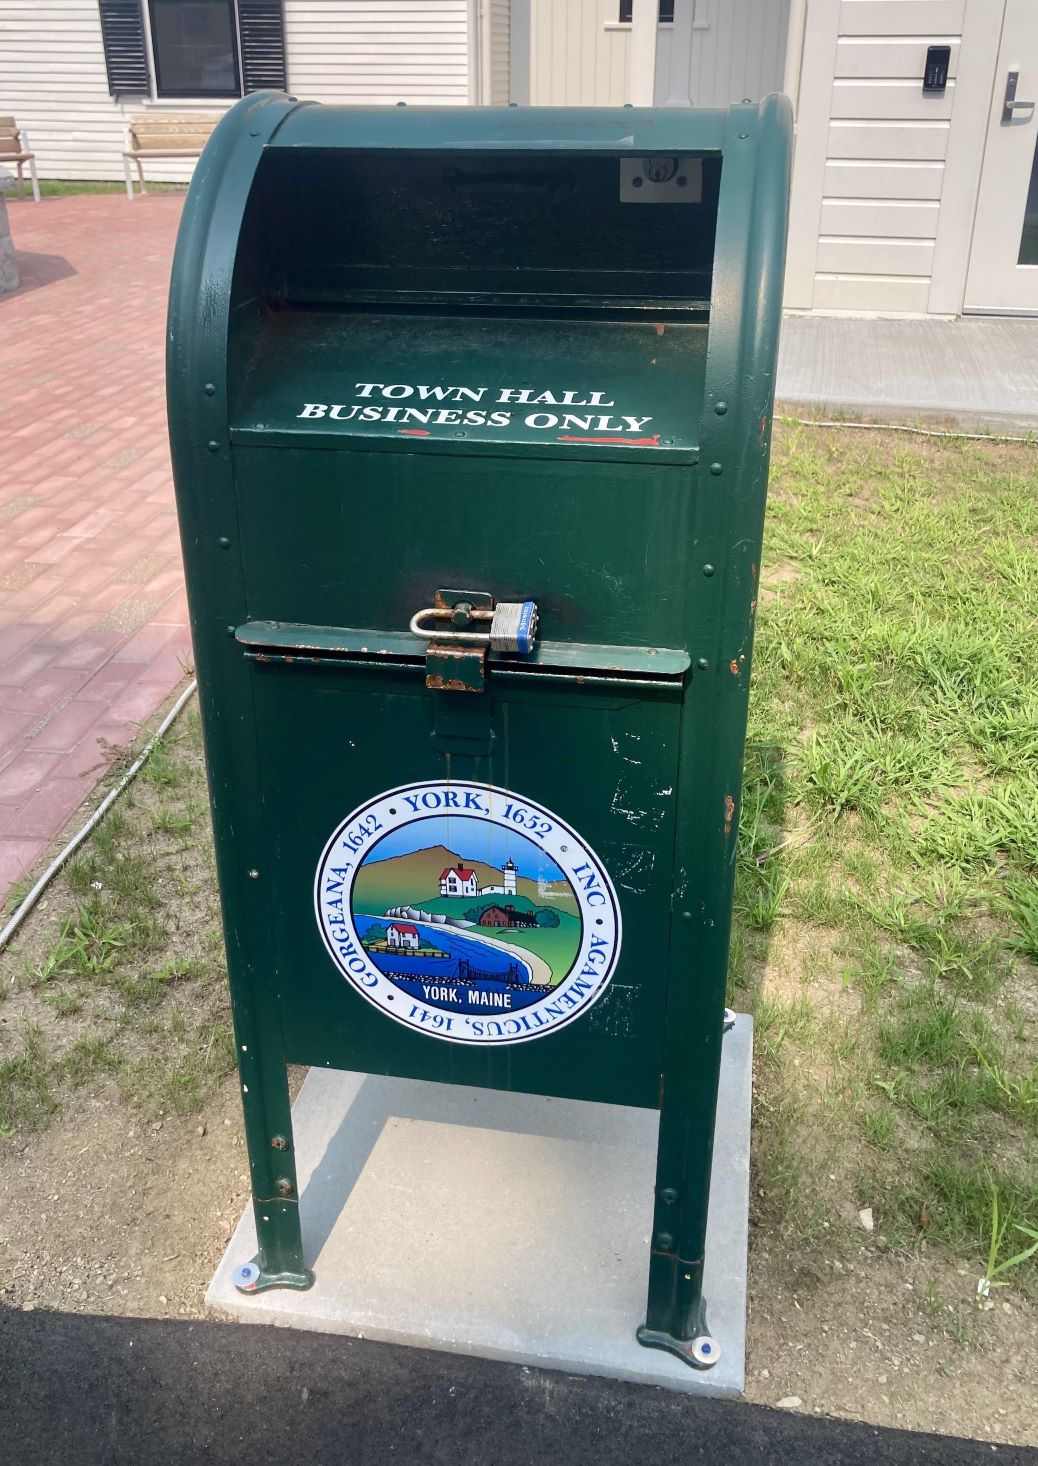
(457, 881)
(403, 935)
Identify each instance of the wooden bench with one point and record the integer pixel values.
(14, 148)
(163, 135)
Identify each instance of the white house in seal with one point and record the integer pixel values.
(402, 935)
(456, 880)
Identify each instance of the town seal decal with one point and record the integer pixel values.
(468, 912)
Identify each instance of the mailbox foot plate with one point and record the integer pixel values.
(699, 1353)
(252, 1277)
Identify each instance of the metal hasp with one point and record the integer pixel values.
(412, 348)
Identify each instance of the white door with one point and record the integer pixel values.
(1003, 270)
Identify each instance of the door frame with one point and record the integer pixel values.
(994, 100)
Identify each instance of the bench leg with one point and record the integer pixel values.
(21, 180)
(129, 177)
(35, 180)
(140, 175)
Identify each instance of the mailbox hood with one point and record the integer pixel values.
(400, 337)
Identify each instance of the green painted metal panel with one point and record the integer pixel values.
(412, 349)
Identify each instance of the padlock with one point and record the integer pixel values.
(514, 627)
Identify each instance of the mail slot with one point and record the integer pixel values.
(470, 415)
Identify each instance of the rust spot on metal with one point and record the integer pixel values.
(414, 432)
(660, 328)
(729, 813)
(448, 684)
(753, 571)
(733, 667)
(753, 606)
(653, 442)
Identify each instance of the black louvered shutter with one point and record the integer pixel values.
(261, 27)
(122, 31)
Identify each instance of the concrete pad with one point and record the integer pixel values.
(501, 1225)
(979, 372)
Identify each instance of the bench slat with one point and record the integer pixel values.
(173, 140)
(162, 152)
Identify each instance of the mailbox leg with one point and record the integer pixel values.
(676, 1312)
(279, 1261)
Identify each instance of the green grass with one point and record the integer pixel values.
(556, 944)
(122, 978)
(62, 187)
(891, 836)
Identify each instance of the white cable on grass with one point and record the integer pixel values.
(29, 901)
(896, 427)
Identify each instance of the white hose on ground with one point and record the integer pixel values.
(897, 427)
(29, 901)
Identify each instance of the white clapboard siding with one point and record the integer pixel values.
(903, 17)
(869, 178)
(734, 49)
(381, 51)
(731, 50)
(874, 294)
(893, 141)
(578, 54)
(500, 49)
(874, 256)
(53, 78)
(880, 218)
(893, 57)
(882, 99)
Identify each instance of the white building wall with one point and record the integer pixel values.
(578, 54)
(715, 52)
(378, 51)
(500, 52)
(719, 51)
(53, 78)
(885, 177)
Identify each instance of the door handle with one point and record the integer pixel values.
(1009, 103)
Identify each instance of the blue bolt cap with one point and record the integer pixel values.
(247, 1275)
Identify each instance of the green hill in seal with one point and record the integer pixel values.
(414, 880)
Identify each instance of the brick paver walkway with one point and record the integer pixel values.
(93, 623)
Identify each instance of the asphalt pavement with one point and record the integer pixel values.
(79, 1389)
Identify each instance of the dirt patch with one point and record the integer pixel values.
(896, 1344)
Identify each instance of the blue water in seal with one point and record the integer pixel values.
(453, 983)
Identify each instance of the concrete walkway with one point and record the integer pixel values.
(93, 623)
(976, 372)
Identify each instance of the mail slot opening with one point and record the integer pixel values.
(354, 228)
